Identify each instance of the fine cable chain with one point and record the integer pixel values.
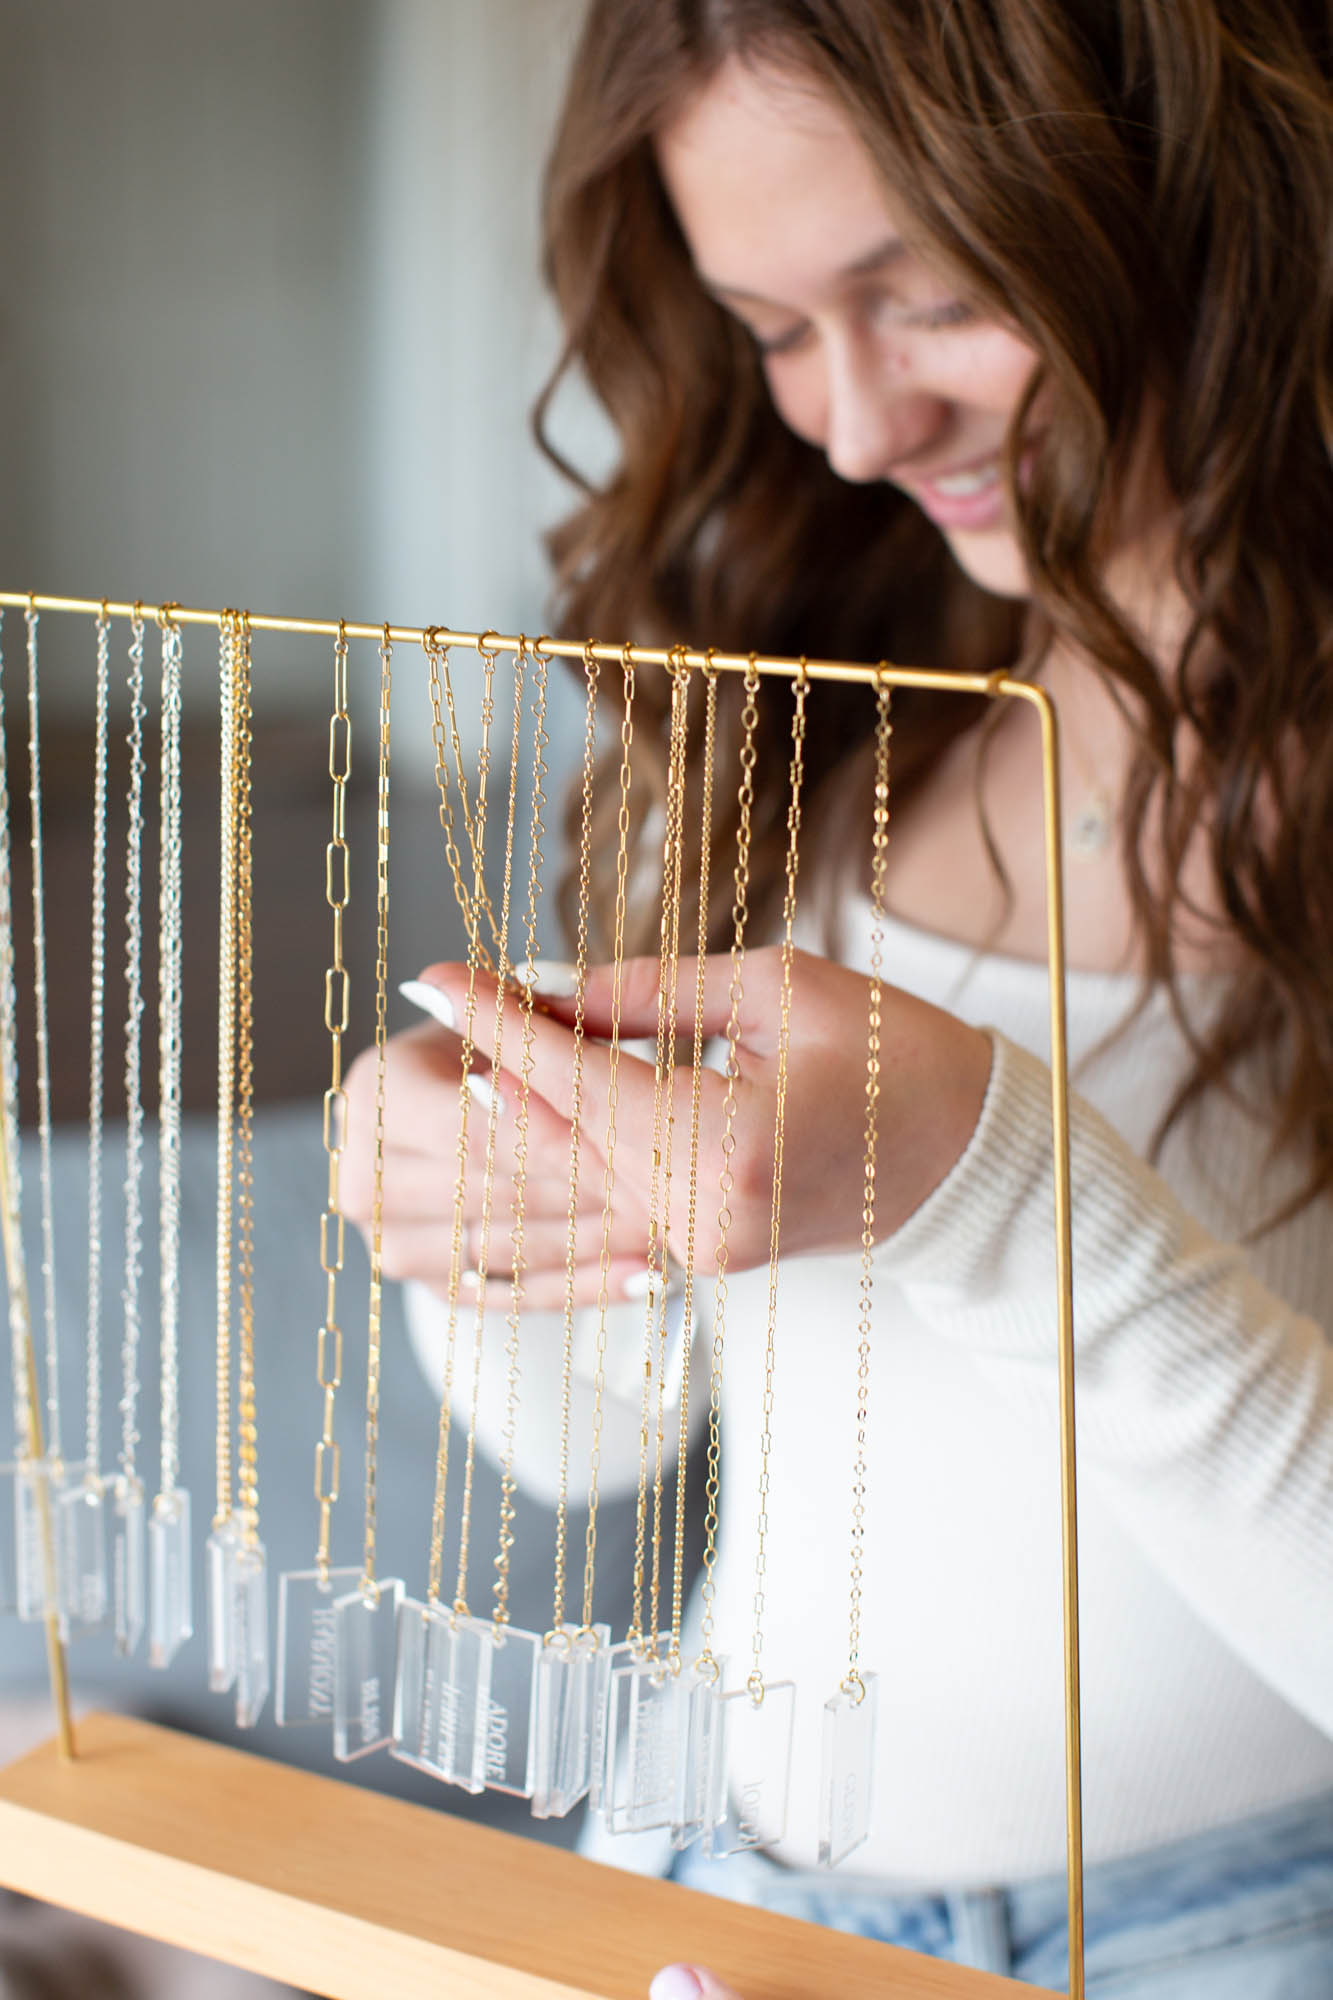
(96, 1060)
(691, 1218)
(54, 1443)
(442, 690)
(669, 976)
(707, 1663)
(9, 1139)
(502, 976)
(227, 669)
(169, 1053)
(246, 1429)
(329, 1365)
(853, 1685)
(755, 1681)
(609, 1154)
(536, 835)
(134, 1006)
(592, 674)
(436, 1574)
(375, 1316)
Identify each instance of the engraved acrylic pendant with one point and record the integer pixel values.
(643, 1729)
(699, 1769)
(9, 1598)
(219, 1557)
(511, 1703)
(80, 1519)
(249, 1620)
(755, 1760)
(170, 1577)
(365, 1640)
(37, 1490)
(569, 1685)
(303, 1687)
(128, 1563)
(847, 1769)
(441, 1692)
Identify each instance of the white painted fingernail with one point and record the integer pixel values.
(430, 1000)
(638, 1285)
(469, 1280)
(551, 976)
(481, 1090)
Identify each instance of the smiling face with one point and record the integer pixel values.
(870, 354)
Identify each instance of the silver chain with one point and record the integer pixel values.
(169, 1050)
(129, 1348)
(54, 1445)
(96, 1066)
(9, 1092)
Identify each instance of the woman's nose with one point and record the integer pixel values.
(877, 416)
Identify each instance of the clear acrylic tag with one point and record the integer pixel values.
(303, 1684)
(699, 1771)
(441, 1691)
(608, 1659)
(847, 1770)
(170, 1577)
(643, 1732)
(511, 1737)
(37, 1490)
(756, 1767)
(128, 1564)
(80, 1515)
(249, 1613)
(9, 1598)
(568, 1684)
(219, 1557)
(365, 1638)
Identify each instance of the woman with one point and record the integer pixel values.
(998, 335)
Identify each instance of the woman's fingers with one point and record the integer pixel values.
(690, 1982)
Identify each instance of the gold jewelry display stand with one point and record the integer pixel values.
(352, 1895)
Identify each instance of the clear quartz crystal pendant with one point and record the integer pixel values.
(569, 1684)
(511, 1703)
(219, 1558)
(38, 1485)
(847, 1769)
(128, 1563)
(699, 1769)
(170, 1577)
(643, 1720)
(365, 1641)
(249, 1614)
(80, 1524)
(441, 1693)
(303, 1668)
(755, 1762)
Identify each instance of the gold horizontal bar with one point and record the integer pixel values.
(569, 649)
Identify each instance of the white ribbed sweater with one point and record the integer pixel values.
(1205, 1425)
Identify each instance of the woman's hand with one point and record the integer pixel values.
(689, 1982)
(933, 1075)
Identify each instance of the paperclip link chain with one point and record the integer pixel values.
(609, 1151)
(503, 973)
(592, 674)
(97, 1059)
(169, 1019)
(536, 834)
(375, 1316)
(853, 1685)
(755, 1682)
(692, 1200)
(247, 1430)
(54, 1446)
(740, 913)
(332, 1228)
(228, 647)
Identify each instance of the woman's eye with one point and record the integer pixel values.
(954, 312)
(779, 343)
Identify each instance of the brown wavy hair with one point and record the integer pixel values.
(1144, 190)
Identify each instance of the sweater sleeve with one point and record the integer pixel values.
(1204, 1402)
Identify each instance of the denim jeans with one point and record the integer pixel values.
(1244, 1912)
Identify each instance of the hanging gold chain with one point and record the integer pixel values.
(853, 1684)
(609, 1151)
(329, 1350)
(755, 1682)
(448, 744)
(740, 912)
(228, 650)
(536, 834)
(692, 1204)
(375, 1316)
(247, 1429)
(592, 674)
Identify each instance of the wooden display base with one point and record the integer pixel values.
(348, 1894)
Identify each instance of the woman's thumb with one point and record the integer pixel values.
(689, 1982)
